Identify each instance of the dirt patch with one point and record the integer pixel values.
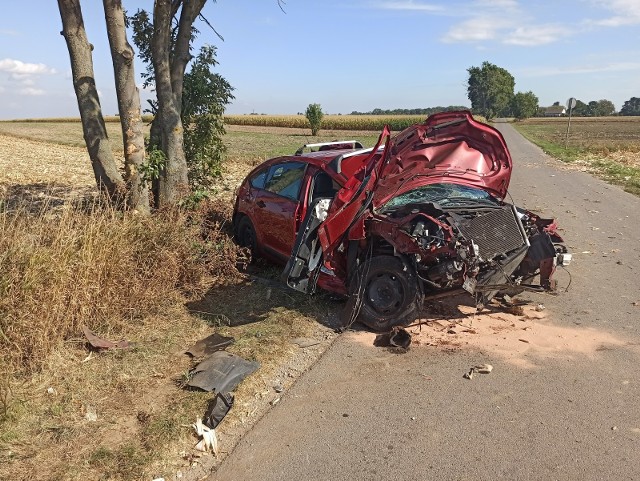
(526, 339)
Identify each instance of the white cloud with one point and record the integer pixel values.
(474, 30)
(411, 6)
(580, 69)
(497, 4)
(31, 92)
(536, 35)
(625, 12)
(18, 68)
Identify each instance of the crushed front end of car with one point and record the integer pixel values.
(424, 217)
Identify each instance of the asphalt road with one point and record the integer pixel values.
(568, 411)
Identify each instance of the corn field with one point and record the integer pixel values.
(329, 122)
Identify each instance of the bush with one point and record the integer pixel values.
(314, 116)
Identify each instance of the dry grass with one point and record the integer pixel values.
(69, 266)
(65, 268)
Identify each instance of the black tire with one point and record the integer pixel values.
(388, 290)
(246, 236)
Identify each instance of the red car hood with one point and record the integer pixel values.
(448, 147)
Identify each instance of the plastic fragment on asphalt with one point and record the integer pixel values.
(483, 368)
(480, 369)
(398, 337)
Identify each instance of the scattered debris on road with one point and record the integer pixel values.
(480, 369)
(397, 337)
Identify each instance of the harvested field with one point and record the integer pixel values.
(608, 147)
(595, 134)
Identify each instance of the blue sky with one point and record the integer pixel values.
(352, 54)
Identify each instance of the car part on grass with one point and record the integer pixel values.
(98, 342)
(209, 441)
(221, 372)
(209, 345)
(217, 409)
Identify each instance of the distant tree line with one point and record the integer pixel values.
(631, 107)
(491, 91)
(424, 111)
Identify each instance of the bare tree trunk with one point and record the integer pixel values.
(104, 166)
(181, 54)
(174, 182)
(128, 105)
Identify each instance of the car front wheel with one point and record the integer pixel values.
(388, 292)
(246, 235)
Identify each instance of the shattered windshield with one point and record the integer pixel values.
(442, 194)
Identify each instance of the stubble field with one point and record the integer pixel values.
(608, 147)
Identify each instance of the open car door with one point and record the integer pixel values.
(329, 219)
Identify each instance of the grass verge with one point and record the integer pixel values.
(161, 282)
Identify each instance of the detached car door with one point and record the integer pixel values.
(277, 207)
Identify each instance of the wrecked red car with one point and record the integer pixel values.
(418, 216)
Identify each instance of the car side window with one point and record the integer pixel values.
(257, 181)
(286, 179)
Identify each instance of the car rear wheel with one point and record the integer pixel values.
(246, 235)
(388, 290)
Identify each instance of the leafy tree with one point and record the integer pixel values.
(631, 107)
(205, 96)
(490, 89)
(201, 97)
(169, 51)
(314, 116)
(581, 109)
(524, 105)
(605, 107)
(592, 108)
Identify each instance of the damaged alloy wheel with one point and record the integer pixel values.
(388, 292)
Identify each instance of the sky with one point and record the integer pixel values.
(348, 55)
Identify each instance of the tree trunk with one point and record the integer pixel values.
(174, 182)
(128, 105)
(104, 166)
(181, 51)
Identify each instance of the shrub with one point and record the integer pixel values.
(314, 116)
